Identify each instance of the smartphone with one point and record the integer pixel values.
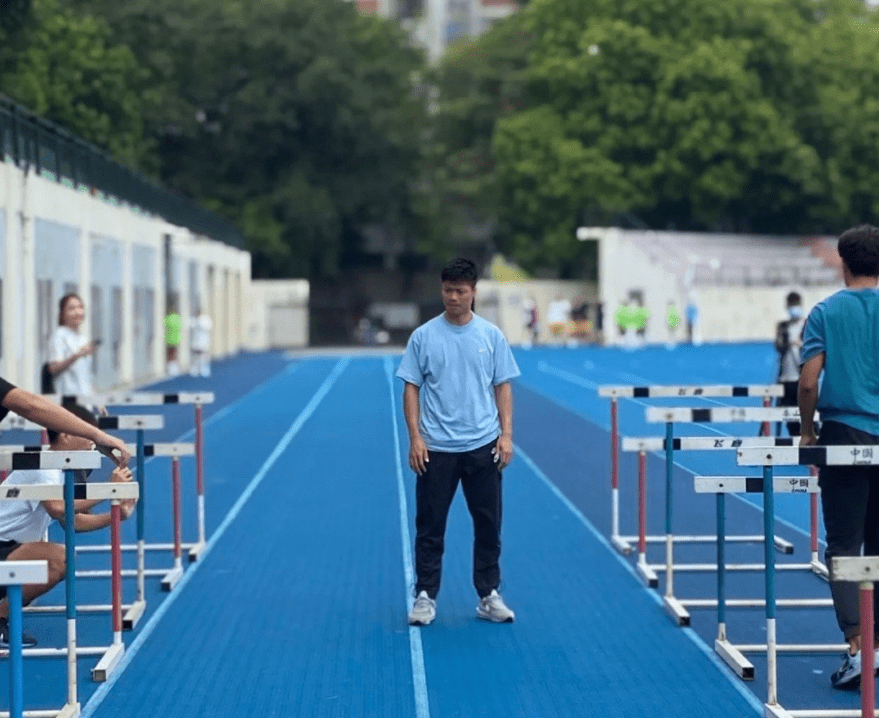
(106, 451)
(97, 341)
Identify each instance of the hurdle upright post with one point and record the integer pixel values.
(624, 547)
(16, 663)
(195, 550)
(672, 605)
(173, 577)
(769, 574)
(70, 590)
(108, 662)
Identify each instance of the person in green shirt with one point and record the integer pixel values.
(672, 321)
(173, 334)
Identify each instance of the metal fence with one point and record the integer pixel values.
(55, 153)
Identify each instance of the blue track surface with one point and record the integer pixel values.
(298, 607)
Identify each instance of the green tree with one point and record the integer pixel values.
(69, 70)
(752, 115)
(303, 122)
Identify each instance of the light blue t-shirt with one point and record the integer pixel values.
(845, 327)
(456, 369)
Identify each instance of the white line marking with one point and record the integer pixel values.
(132, 651)
(654, 596)
(419, 675)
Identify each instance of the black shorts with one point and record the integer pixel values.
(6, 548)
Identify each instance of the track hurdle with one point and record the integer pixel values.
(68, 461)
(720, 486)
(623, 544)
(13, 575)
(197, 400)
(850, 455)
(863, 570)
(718, 415)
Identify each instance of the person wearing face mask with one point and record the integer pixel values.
(788, 343)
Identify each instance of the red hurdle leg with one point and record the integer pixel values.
(642, 507)
(116, 569)
(868, 684)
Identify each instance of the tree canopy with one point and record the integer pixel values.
(745, 115)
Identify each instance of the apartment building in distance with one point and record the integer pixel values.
(436, 23)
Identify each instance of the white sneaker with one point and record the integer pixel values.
(423, 610)
(493, 608)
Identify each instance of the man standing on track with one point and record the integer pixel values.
(458, 404)
(841, 339)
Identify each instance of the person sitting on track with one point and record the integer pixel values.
(23, 524)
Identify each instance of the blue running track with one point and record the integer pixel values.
(298, 606)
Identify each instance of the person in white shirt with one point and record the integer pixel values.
(558, 317)
(23, 524)
(200, 343)
(69, 365)
(789, 344)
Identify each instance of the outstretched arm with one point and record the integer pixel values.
(52, 416)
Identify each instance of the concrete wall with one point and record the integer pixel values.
(57, 239)
(277, 314)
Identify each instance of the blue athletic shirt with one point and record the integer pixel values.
(456, 369)
(845, 327)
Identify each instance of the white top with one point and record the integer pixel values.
(27, 521)
(200, 333)
(77, 378)
(559, 311)
(790, 362)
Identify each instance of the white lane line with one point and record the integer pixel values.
(689, 632)
(419, 675)
(132, 651)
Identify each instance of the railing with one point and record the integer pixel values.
(32, 142)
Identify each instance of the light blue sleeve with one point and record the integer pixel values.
(814, 340)
(505, 367)
(410, 367)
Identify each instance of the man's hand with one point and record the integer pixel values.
(126, 508)
(808, 438)
(112, 442)
(121, 474)
(503, 452)
(418, 455)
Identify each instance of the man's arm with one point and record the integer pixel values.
(807, 397)
(503, 396)
(45, 413)
(417, 448)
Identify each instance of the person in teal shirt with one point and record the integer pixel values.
(841, 341)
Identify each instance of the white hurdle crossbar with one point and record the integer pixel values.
(849, 455)
(615, 393)
(195, 399)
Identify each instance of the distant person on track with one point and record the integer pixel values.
(173, 335)
(558, 318)
(23, 524)
(200, 331)
(691, 312)
(840, 340)
(530, 321)
(672, 322)
(458, 404)
(788, 344)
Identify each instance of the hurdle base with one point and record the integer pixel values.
(172, 578)
(108, 663)
(647, 574)
(819, 569)
(40, 713)
(774, 710)
(782, 545)
(734, 659)
(620, 544)
(133, 615)
(196, 550)
(676, 611)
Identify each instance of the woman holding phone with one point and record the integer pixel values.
(69, 350)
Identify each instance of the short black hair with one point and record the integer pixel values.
(460, 270)
(793, 299)
(859, 249)
(77, 410)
